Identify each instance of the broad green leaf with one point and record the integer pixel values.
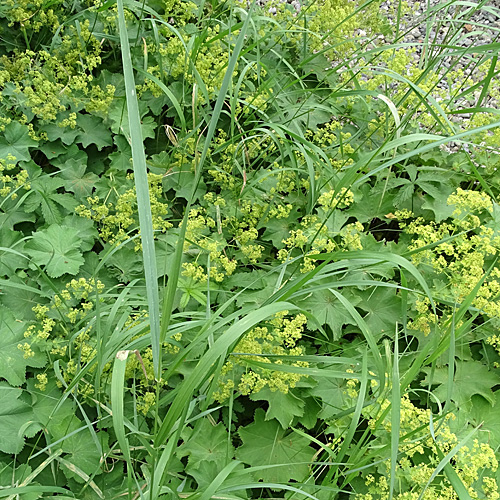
(278, 230)
(205, 473)
(480, 412)
(21, 296)
(164, 251)
(118, 115)
(333, 395)
(328, 310)
(92, 131)
(471, 377)
(72, 152)
(208, 443)
(437, 187)
(85, 230)
(60, 423)
(254, 280)
(125, 264)
(77, 180)
(283, 407)
(83, 453)
(121, 159)
(53, 149)
(15, 416)
(10, 476)
(181, 182)
(57, 248)
(371, 204)
(15, 141)
(44, 194)
(12, 361)
(259, 296)
(266, 443)
(12, 217)
(10, 262)
(66, 134)
(383, 309)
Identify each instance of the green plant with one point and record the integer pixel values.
(237, 258)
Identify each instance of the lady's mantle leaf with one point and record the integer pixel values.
(283, 407)
(14, 415)
(12, 361)
(11, 262)
(471, 378)
(43, 194)
(85, 230)
(328, 310)
(93, 131)
(10, 475)
(208, 443)
(77, 180)
(16, 141)
(56, 247)
(84, 454)
(266, 443)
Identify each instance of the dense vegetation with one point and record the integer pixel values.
(248, 251)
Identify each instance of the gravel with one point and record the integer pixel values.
(456, 26)
(459, 27)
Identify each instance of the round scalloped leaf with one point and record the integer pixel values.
(57, 248)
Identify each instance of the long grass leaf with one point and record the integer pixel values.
(117, 405)
(142, 191)
(395, 415)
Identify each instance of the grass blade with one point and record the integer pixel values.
(395, 415)
(142, 190)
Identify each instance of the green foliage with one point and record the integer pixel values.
(285, 455)
(216, 218)
(16, 354)
(56, 248)
(15, 416)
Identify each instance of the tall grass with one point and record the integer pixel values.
(218, 331)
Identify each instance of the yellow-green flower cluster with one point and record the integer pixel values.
(11, 182)
(462, 246)
(42, 381)
(351, 236)
(334, 142)
(48, 84)
(74, 303)
(316, 234)
(474, 465)
(257, 100)
(280, 338)
(140, 368)
(467, 201)
(439, 99)
(71, 309)
(117, 220)
(209, 60)
(330, 24)
(199, 224)
(33, 14)
(337, 20)
(333, 199)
